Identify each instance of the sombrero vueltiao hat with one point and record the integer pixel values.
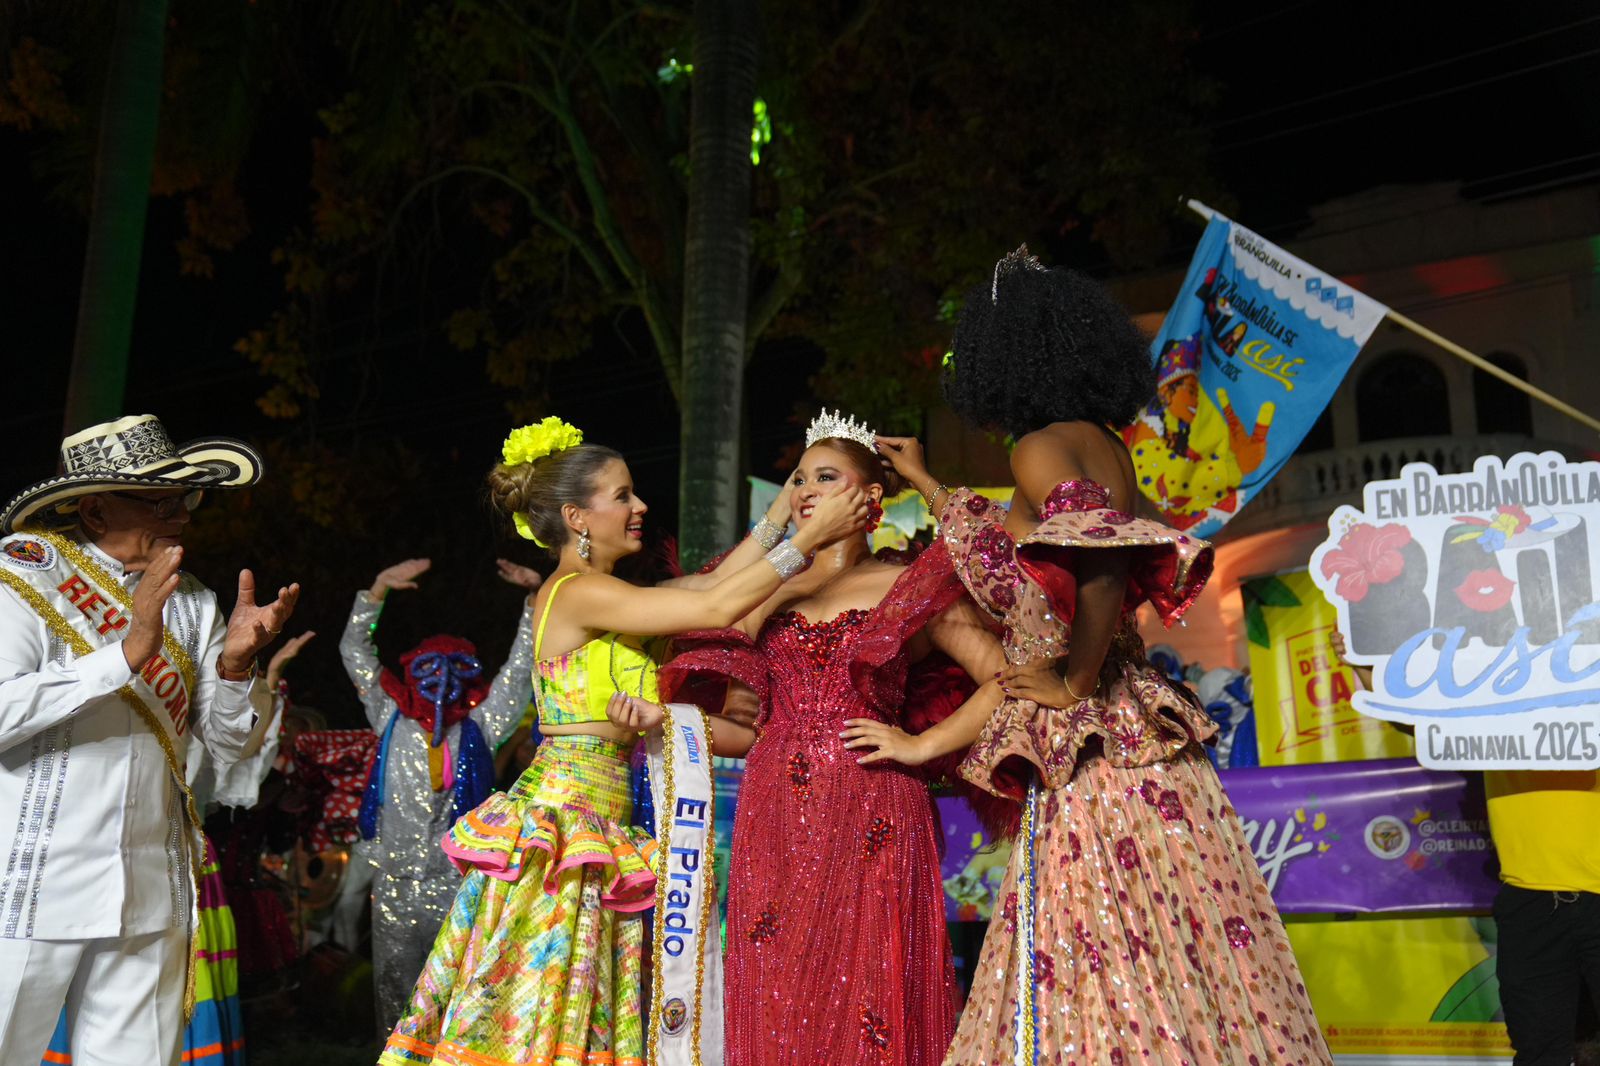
(130, 453)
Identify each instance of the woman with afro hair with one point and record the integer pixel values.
(1135, 925)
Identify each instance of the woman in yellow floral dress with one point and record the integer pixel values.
(539, 961)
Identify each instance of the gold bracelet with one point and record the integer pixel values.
(248, 674)
(1068, 686)
(930, 499)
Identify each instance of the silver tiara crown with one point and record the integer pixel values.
(1011, 261)
(836, 424)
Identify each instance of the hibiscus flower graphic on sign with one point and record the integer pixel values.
(1472, 597)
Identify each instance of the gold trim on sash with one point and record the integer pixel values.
(177, 654)
(709, 933)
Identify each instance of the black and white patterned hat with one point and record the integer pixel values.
(130, 453)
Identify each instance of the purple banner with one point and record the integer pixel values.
(1365, 837)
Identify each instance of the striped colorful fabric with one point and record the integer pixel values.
(540, 960)
(215, 1035)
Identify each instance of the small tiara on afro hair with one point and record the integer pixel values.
(1035, 346)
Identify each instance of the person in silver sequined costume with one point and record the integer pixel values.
(415, 881)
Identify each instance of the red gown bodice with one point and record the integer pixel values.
(836, 944)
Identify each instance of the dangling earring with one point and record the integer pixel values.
(583, 545)
(874, 515)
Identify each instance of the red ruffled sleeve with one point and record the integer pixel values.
(878, 660)
(704, 661)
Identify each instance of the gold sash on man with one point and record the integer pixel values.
(87, 609)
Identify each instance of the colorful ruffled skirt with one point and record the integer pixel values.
(215, 1033)
(539, 962)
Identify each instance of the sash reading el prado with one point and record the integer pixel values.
(685, 1018)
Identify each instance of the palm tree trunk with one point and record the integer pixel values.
(124, 157)
(716, 301)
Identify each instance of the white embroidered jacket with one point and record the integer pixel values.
(91, 821)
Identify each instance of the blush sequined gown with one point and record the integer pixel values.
(1155, 939)
(836, 944)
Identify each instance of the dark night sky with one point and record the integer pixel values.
(1318, 101)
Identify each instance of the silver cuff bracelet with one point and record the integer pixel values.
(767, 534)
(786, 560)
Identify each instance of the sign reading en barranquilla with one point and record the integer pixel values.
(1472, 597)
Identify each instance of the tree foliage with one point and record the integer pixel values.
(506, 181)
(530, 161)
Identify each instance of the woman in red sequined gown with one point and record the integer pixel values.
(836, 944)
(1148, 934)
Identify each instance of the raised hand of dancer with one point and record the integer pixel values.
(781, 510)
(634, 714)
(402, 575)
(1363, 673)
(252, 626)
(155, 587)
(282, 657)
(882, 742)
(524, 577)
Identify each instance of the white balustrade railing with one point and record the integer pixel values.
(1312, 484)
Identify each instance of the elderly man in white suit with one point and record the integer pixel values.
(111, 660)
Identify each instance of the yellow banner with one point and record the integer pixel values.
(1302, 689)
(1403, 986)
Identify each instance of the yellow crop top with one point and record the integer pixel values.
(575, 686)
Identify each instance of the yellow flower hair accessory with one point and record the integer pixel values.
(538, 440)
(525, 530)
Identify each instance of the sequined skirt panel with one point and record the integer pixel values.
(1156, 940)
(539, 961)
(836, 946)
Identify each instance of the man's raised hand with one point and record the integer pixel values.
(155, 587)
(252, 627)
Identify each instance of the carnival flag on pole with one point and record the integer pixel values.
(1246, 360)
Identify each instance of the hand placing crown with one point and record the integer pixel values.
(837, 425)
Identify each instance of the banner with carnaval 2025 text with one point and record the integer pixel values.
(1472, 597)
(1246, 360)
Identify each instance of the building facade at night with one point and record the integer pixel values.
(1515, 281)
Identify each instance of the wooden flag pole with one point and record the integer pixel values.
(1489, 368)
(1406, 322)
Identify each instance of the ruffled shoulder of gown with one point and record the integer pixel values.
(703, 660)
(1168, 570)
(877, 658)
(1137, 717)
(509, 839)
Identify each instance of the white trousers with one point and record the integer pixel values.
(124, 998)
